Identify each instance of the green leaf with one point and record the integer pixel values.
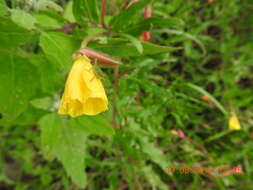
(3, 8)
(91, 7)
(50, 133)
(42, 103)
(120, 47)
(18, 83)
(136, 42)
(185, 35)
(68, 13)
(153, 178)
(88, 8)
(23, 19)
(71, 152)
(77, 10)
(43, 5)
(154, 154)
(123, 19)
(58, 48)
(95, 125)
(213, 99)
(27, 118)
(64, 140)
(11, 34)
(153, 22)
(51, 78)
(49, 20)
(217, 136)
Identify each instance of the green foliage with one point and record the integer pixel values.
(23, 19)
(3, 8)
(17, 86)
(85, 9)
(125, 17)
(169, 105)
(12, 35)
(126, 49)
(58, 47)
(62, 139)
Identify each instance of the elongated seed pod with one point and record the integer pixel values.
(101, 58)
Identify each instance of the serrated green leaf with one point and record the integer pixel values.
(23, 19)
(50, 133)
(61, 138)
(71, 152)
(59, 48)
(95, 125)
(18, 84)
(11, 34)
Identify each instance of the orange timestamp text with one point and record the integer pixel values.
(216, 170)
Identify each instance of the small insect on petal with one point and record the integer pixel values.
(234, 123)
(84, 93)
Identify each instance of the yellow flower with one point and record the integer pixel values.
(84, 93)
(234, 123)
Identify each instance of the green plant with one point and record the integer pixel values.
(197, 49)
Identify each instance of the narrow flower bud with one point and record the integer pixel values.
(234, 123)
(101, 58)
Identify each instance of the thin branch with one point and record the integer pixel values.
(115, 86)
(90, 38)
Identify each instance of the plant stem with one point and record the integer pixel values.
(103, 13)
(115, 86)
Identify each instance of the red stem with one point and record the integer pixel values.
(146, 34)
(103, 12)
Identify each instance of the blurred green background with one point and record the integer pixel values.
(170, 102)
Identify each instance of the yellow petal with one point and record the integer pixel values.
(84, 92)
(234, 123)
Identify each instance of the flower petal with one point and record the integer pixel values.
(84, 92)
(234, 123)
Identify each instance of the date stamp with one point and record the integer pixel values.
(217, 171)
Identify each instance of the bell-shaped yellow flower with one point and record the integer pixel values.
(84, 93)
(234, 123)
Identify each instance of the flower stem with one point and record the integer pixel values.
(103, 13)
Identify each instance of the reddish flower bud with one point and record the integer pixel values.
(101, 58)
